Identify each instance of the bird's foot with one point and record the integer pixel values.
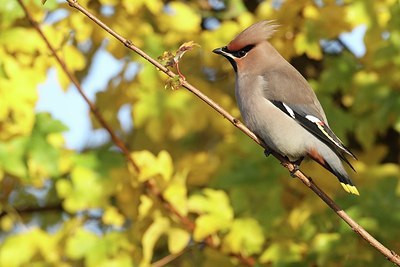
(267, 152)
(296, 167)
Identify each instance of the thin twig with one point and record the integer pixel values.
(150, 185)
(389, 254)
(167, 259)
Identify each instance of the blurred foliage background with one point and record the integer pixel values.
(66, 207)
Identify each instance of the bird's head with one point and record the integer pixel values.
(248, 48)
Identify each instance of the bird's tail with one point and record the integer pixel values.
(344, 180)
(332, 163)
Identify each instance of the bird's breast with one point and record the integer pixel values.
(279, 131)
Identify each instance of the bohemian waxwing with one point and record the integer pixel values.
(279, 106)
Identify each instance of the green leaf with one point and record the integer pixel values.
(12, 157)
(45, 124)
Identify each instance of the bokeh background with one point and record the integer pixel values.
(67, 197)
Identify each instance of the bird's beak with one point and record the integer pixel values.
(224, 51)
(221, 51)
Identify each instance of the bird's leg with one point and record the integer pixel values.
(296, 165)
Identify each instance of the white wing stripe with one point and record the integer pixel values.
(291, 112)
(313, 119)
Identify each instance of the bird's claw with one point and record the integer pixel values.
(295, 169)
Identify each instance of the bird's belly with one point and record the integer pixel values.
(280, 132)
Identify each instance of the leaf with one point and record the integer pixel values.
(78, 198)
(178, 239)
(215, 212)
(209, 224)
(12, 157)
(245, 237)
(146, 203)
(45, 124)
(151, 166)
(287, 252)
(324, 242)
(176, 193)
(35, 243)
(112, 216)
(179, 17)
(80, 243)
(303, 44)
(159, 227)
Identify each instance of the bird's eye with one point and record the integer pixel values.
(242, 52)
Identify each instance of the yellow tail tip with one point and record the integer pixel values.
(350, 189)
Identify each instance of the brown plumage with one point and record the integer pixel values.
(254, 34)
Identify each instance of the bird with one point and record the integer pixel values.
(277, 103)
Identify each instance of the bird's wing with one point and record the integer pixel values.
(298, 100)
(293, 89)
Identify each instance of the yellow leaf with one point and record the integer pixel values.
(215, 212)
(298, 216)
(212, 201)
(34, 243)
(265, 10)
(6, 223)
(178, 239)
(80, 243)
(357, 13)
(10, 252)
(63, 187)
(82, 180)
(311, 12)
(165, 165)
(245, 237)
(176, 193)
(77, 21)
(179, 17)
(112, 216)
(209, 224)
(283, 252)
(144, 207)
(62, 78)
(154, 6)
(73, 59)
(16, 109)
(146, 162)
(159, 227)
(303, 45)
(151, 166)
(324, 242)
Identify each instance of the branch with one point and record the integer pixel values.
(389, 254)
(167, 259)
(150, 185)
(117, 141)
(33, 209)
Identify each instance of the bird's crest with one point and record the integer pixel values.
(253, 35)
